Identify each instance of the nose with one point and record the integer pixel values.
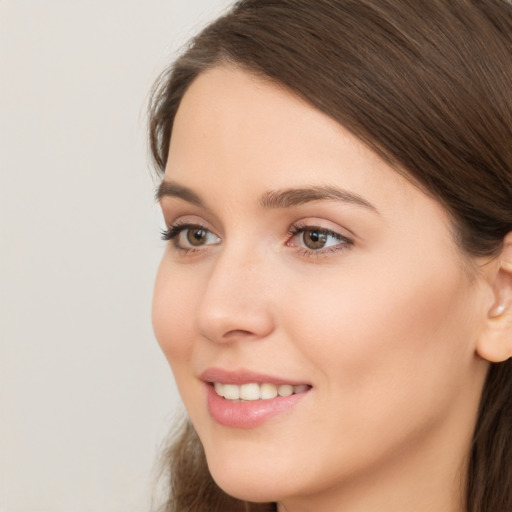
(237, 300)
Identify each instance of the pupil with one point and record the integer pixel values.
(196, 236)
(315, 239)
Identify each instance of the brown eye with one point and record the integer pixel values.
(317, 240)
(190, 236)
(196, 236)
(314, 238)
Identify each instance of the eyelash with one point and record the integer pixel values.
(344, 242)
(172, 232)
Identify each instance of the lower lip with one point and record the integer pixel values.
(248, 414)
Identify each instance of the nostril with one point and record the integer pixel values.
(238, 333)
(228, 323)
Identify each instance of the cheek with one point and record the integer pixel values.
(394, 332)
(174, 304)
(390, 356)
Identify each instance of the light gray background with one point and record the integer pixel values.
(86, 397)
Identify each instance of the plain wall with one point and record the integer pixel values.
(86, 397)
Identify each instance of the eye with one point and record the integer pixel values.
(317, 239)
(190, 236)
(314, 239)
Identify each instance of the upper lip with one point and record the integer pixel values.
(243, 376)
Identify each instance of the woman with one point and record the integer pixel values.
(335, 299)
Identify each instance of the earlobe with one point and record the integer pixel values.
(495, 342)
(497, 311)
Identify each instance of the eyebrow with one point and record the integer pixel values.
(274, 199)
(171, 189)
(297, 196)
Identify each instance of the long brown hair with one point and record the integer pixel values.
(427, 84)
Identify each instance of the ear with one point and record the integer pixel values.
(495, 342)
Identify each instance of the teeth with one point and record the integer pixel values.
(285, 390)
(231, 391)
(268, 391)
(249, 392)
(254, 391)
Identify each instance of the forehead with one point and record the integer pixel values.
(237, 136)
(229, 117)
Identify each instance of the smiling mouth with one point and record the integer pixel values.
(254, 391)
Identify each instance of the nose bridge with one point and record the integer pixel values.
(236, 301)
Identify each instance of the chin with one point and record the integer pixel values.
(246, 488)
(249, 478)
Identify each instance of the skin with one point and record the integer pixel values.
(385, 327)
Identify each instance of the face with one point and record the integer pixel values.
(301, 265)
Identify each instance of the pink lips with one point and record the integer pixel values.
(246, 414)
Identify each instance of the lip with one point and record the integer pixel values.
(246, 414)
(243, 376)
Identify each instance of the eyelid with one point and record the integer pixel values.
(180, 218)
(177, 210)
(303, 226)
(320, 223)
(174, 231)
